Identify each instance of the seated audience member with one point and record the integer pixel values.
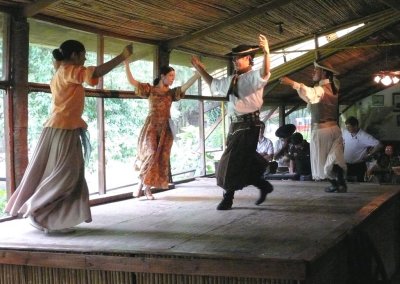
(265, 147)
(282, 147)
(299, 154)
(382, 171)
(359, 147)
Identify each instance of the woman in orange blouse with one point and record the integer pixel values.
(53, 192)
(155, 139)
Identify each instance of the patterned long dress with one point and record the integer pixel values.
(155, 139)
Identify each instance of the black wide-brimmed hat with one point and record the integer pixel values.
(243, 50)
(285, 131)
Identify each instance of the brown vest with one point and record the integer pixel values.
(327, 108)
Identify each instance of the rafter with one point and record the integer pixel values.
(307, 59)
(369, 18)
(261, 9)
(35, 8)
(394, 4)
(90, 29)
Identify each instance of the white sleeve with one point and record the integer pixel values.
(220, 87)
(309, 95)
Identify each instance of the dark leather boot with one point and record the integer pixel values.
(333, 187)
(265, 187)
(227, 200)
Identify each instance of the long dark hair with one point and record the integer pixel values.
(164, 70)
(67, 48)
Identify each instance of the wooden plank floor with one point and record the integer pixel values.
(297, 221)
(184, 220)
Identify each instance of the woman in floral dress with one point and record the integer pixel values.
(155, 139)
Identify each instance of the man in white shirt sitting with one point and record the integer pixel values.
(359, 146)
(265, 147)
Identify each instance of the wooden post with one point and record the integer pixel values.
(162, 57)
(18, 101)
(101, 150)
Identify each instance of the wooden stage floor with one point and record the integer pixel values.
(181, 232)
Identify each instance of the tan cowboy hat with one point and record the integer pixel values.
(326, 66)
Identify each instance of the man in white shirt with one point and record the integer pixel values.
(359, 146)
(265, 147)
(240, 164)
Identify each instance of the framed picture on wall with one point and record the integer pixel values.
(378, 100)
(396, 101)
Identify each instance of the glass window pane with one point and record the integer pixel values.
(186, 150)
(187, 156)
(124, 118)
(3, 190)
(216, 67)
(142, 64)
(43, 38)
(39, 107)
(215, 128)
(91, 166)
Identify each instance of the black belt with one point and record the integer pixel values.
(253, 116)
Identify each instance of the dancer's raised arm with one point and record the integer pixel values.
(263, 43)
(190, 82)
(199, 66)
(129, 75)
(104, 68)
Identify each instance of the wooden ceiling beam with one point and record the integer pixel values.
(307, 59)
(37, 6)
(261, 9)
(285, 44)
(87, 28)
(394, 4)
(367, 19)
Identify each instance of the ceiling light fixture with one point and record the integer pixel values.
(387, 78)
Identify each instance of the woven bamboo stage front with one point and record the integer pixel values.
(299, 235)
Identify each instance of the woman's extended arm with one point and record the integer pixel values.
(104, 68)
(198, 65)
(129, 75)
(190, 82)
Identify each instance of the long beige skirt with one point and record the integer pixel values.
(53, 189)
